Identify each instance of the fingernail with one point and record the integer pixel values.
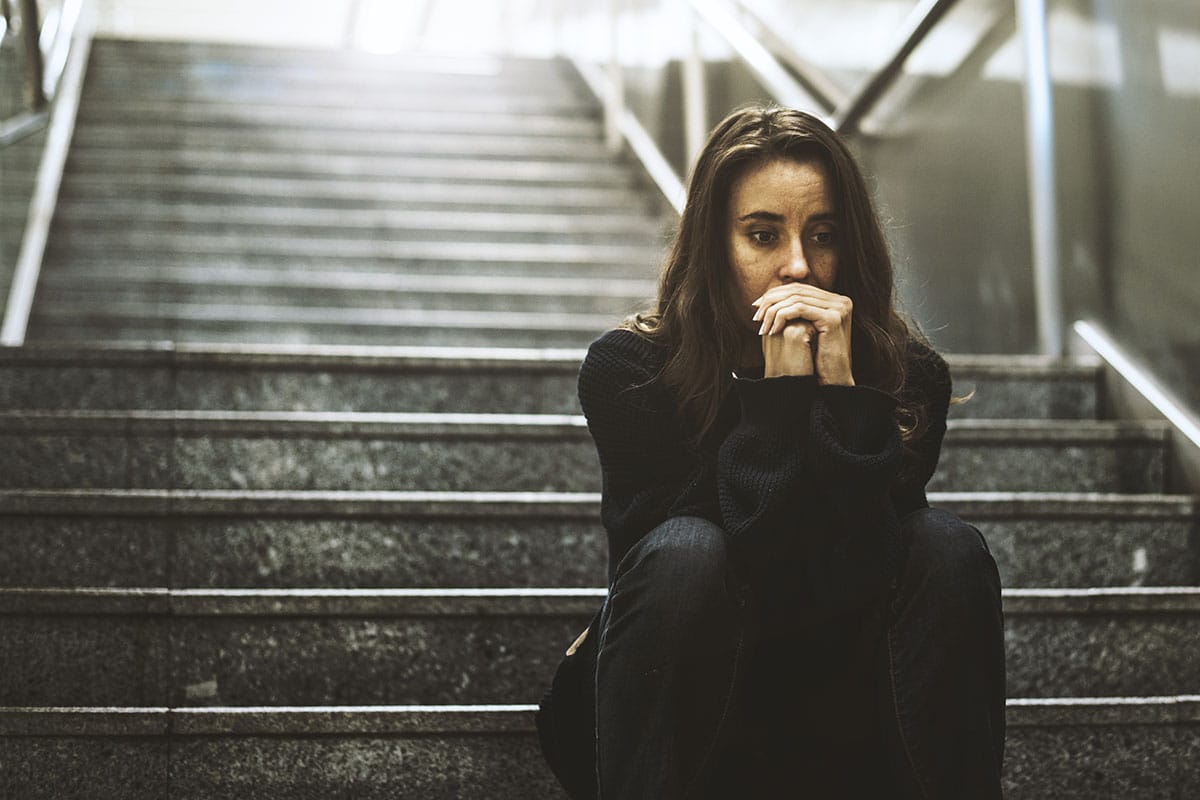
(758, 315)
(762, 328)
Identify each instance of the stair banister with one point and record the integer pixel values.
(49, 176)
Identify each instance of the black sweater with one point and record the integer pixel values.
(808, 481)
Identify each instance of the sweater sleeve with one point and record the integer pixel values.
(804, 481)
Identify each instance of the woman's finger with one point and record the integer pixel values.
(798, 308)
(813, 293)
(785, 312)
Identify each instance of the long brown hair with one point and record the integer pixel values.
(697, 317)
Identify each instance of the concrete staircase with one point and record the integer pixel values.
(276, 566)
(232, 195)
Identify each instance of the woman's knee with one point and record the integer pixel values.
(684, 558)
(681, 551)
(947, 554)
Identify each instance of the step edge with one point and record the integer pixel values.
(482, 719)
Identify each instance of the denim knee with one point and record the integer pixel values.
(947, 556)
(679, 565)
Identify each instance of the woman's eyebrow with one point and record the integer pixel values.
(765, 216)
(770, 216)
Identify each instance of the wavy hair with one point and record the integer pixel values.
(697, 317)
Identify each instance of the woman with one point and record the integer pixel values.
(786, 616)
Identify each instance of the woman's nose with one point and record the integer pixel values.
(796, 265)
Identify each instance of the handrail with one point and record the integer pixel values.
(45, 68)
(1133, 393)
(45, 193)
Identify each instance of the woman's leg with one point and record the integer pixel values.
(943, 677)
(671, 652)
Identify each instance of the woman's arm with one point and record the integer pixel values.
(650, 469)
(814, 480)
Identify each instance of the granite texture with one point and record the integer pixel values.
(84, 768)
(85, 551)
(368, 649)
(372, 456)
(149, 322)
(379, 660)
(485, 391)
(1049, 467)
(164, 382)
(1013, 397)
(1094, 552)
(382, 553)
(1099, 763)
(442, 767)
(83, 660)
(183, 551)
(376, 661)
(1102, 655)
(78, 387)
(442, 464)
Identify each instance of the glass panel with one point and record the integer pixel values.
(945, 152)
(1127, 103)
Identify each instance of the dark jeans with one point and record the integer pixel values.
(903, 698)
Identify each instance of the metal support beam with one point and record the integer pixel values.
(1043, 199)
(695, 97)
(31, 33)
(916, 27)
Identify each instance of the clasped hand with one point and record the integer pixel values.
(804, 330)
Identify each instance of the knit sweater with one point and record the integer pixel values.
(808, 481)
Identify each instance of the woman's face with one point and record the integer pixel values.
(782, 229)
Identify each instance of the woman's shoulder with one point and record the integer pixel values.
(623, 363)
(624, 352)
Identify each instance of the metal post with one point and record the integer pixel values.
(695, 107)
(614, 98)
(31, 31)
(1043, 201)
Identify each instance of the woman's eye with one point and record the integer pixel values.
(762, 237)
(824, 238)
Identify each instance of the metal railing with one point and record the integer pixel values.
(56, 65)
(46, 43)
(791, 81)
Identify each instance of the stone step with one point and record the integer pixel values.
(490, 452)
(347, 290)
(638, 260)
(410, 96)
(154, 646)
(179, 54)
(541, 76)
(430, 752)
(258, 539)
(436, 379)
(90, 319)
(361, 167)
(492, 112)
(114, 137)
(394, 222)
(395, 227)
(1068, 749)
(451, 120)
(296, 192)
